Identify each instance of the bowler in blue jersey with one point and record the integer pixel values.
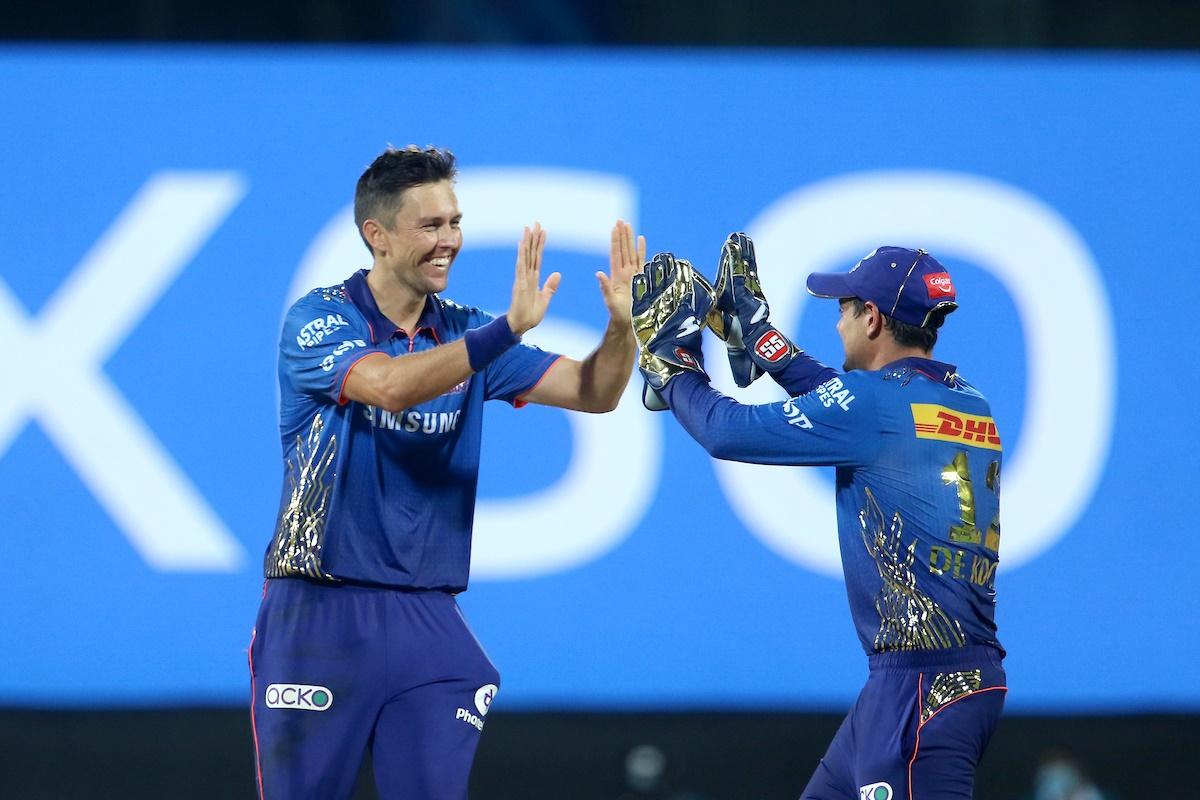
(917, 459)
(359, 642)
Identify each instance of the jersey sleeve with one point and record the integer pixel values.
(321, 341)
(516, 372)
(836, 424)
(802, 374)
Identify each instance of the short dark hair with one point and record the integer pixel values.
(381, 188)
(924, 337)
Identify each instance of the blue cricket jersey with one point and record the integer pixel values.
(917, 487)
(371, 496)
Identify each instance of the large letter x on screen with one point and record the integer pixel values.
(63, 387)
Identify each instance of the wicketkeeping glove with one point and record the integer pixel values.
(740, 315)
(670, 307)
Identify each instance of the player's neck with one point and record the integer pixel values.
(397, 301)
(887, 354)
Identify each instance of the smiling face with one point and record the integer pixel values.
(420, 242)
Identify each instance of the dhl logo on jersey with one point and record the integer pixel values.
(947, 425)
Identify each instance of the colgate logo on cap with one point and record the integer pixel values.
(939, 285)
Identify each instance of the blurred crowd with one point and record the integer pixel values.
(1060, 776)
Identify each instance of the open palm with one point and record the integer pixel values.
(626, 255)
(530, 297)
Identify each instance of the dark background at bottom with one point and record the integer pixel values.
(207, 753)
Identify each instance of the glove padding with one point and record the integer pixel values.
(740, 315)
(671, 302)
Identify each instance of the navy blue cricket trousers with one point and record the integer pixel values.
(335, 669)
(917, 730)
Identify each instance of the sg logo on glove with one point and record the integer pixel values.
(741, 315)
(771, 346)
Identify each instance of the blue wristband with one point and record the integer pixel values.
(487, 342)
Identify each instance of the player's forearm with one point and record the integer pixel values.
(697, 406)
(732, 431)
(404, 381)
(399, 382)
(604, 374)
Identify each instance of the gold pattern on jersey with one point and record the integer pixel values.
(300, 536)
(944, 424)
(992, 538)
(958, 474)
(948, 687)
(908, 618)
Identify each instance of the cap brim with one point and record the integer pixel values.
(830, 284)
(943, 308)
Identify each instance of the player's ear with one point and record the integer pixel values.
(372, 231)
(874, 320)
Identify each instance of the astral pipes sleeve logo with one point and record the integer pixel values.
(314, 332)
(298, 696)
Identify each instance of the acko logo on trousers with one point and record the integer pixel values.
(298, 697)
(876, 791)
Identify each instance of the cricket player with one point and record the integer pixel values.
(359, 641)
(918, 463)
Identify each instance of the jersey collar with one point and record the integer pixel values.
(938, 371)
(383, 328)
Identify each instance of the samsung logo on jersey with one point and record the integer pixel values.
(316, 330)
(429, 422)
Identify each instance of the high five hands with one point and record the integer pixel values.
(531, 298)
(672, 303)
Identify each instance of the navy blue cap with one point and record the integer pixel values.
(908, 285)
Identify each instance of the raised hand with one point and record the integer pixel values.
(530, 298)
(740, 315)
(625, 259)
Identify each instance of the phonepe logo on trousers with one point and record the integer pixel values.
(483, 697)
(298, 696)
(483, 702)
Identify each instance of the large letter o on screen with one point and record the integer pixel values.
(582, 515)
(1046, 267)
